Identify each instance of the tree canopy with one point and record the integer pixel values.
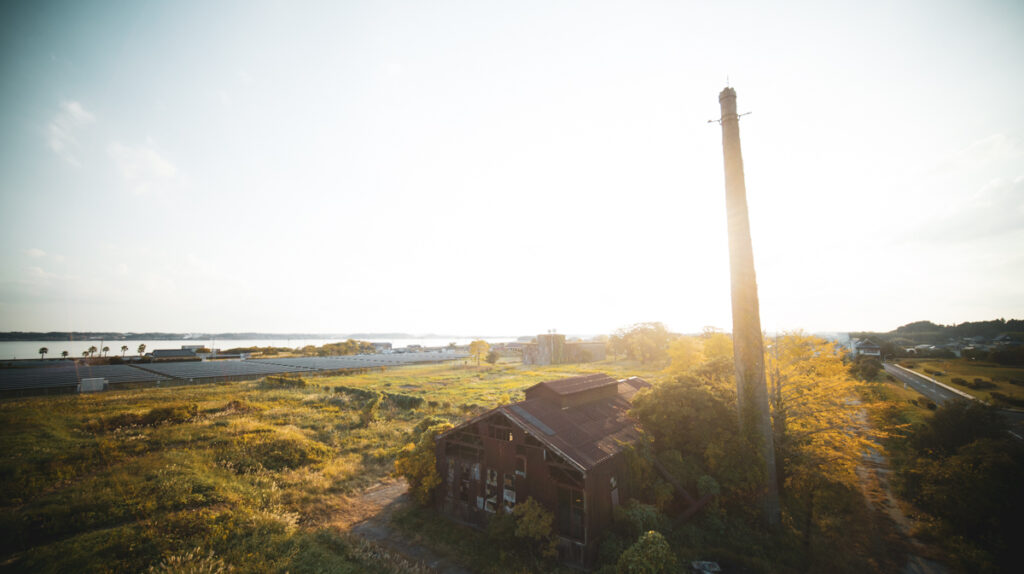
(478, 350)
(644, 342)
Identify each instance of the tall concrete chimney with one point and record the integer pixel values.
(748, 346)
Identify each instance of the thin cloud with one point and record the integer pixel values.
(143, 169)
(994, 210)
(35, 253)
(62, 129)
(995, 147)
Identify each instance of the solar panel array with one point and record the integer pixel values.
(69, 374)
(217, 369)
(361, 361)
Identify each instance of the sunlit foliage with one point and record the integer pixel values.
(417, 461)
(818, 418)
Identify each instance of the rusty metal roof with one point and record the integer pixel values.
(576, 384)
(589, 433)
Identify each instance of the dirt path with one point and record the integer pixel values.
(874, 475)
(368, 516)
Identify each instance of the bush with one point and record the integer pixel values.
(650, 554)
(1005, 399)
(535, 526)
(371, 408)
(279, 451)
(634, 518)
(958, 381)
(982, 384)
(957, 423)
(283, 383)
(865, 368)
(417, 461)
(172, 414)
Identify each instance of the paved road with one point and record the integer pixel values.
(940, 395)
(922, 385)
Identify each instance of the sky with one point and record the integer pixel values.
(505, 168)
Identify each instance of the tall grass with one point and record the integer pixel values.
(243, 476)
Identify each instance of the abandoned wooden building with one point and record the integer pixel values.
(562, 446)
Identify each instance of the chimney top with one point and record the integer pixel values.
(727, 93)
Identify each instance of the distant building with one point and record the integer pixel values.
(552, 349)
(381, 347)
(173, 354)
(866, 347)
(562, 446)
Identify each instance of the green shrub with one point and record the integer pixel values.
(650, 554)
(417, 462)
(958, 381)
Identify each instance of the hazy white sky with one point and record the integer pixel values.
(505, 167)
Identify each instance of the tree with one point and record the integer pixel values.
(651, 554)
(865, 368)
(417, 461)
(64, 354)
(92, 350)
(644, 342)
(717, 346)
(534, 525)
(687, 353)
(493, 356)
(142, 348)
(478, 349)
(124, 349)
(43, 351)
(819, 425)
(106, 350)
(85, 353)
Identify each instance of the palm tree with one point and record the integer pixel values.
(105, 350)
(64, 354)
(85, 353)
(42, 352)
(142, 348)
(92, 350)
(124, 349)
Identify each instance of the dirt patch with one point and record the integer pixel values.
(368, 516)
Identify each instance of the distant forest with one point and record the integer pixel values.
(922, 332)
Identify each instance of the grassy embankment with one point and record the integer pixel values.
(260, 474)
(986, 381)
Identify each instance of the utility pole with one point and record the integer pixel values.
(748, 346)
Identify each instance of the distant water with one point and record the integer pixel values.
(30, 349)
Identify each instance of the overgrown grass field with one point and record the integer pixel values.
(978, 378)
(256, 473)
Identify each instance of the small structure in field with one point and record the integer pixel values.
(562, 446)
(92, 385)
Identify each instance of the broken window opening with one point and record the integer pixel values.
(571, 512)
(521, 466)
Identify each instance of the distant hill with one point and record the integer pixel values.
(921, 332)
